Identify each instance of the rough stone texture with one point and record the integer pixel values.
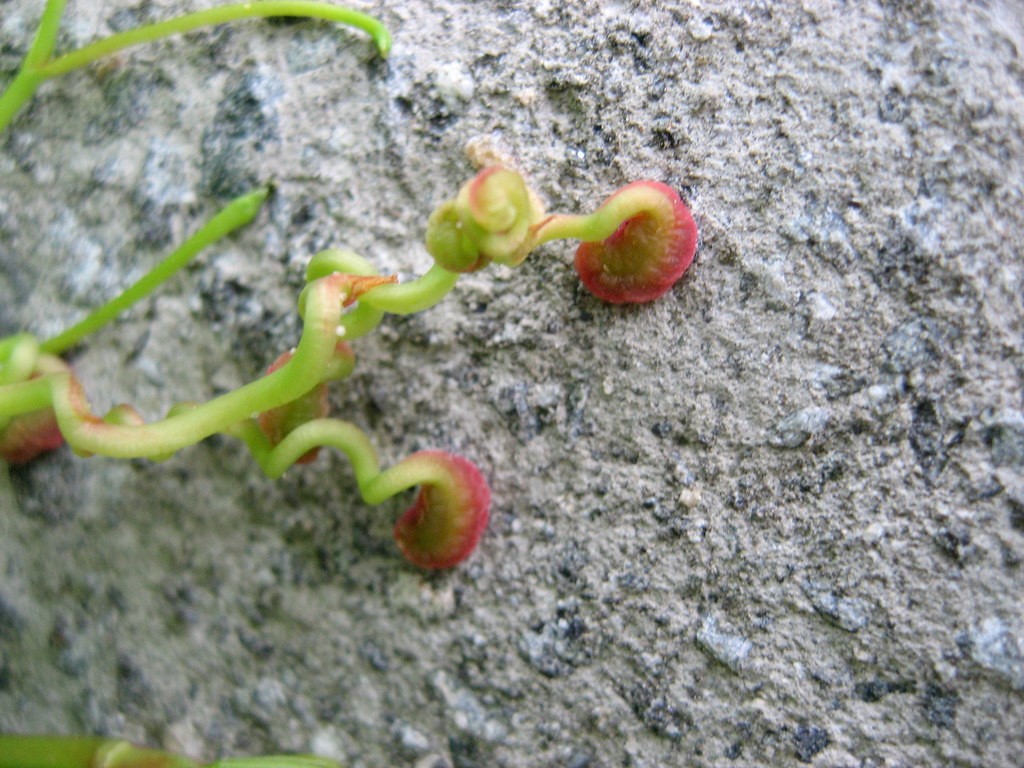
(775, 518)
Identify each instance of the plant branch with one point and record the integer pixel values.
(39, 66)
(311, 364)
(213, 16)
(234, 215)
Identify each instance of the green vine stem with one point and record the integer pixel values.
(447, 519)
(39, 66)
(82, 752)
(642, 199)
(395, 298)
(234, 215)
(96, 752)
(375, 486)
(46, 34)
(636, 245)
(451, 511)
(84, 431)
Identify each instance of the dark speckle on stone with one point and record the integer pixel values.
(133, 689)
(893, 107)
(54, 500)
(163, 187)
(557, 646)
(1016, 513)
(954, 542)
(1005, 436)
(255, 644)
(809, 741)
(245, 122)
(939, 706)
(127, 96)
(850, 613)
(374, 656)
(286, 21)
(5, 673)
(155, 229)
(117, 599)
(61, 635)
(871, 691)
(661, 429)
(581, 759)
(129, 18)
(571, 562)
(11, 622)
(657, 713)
(728, 647)
(634, 582)
(514, 404)
(993, 645)
(797, 428)
(914, 344)
(183, 598)
(903, 263)
(662, 138)
(465, 752)
(926, 439)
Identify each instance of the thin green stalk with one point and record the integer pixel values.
(9, 344)
(28, 79)
(414, 296)
(114, 753)
(18, 355)
(48, 751)
(375, 485)
(46, 34)
(213, 16)
(83, 431)
(38, 67)
(26, 396)
(398, 299)
(98, 752)
(235, 214)
(20, 90)
(51, 752)
(412, 471)
(346, 437)
(603, 222)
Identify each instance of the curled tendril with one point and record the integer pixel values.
(41, 401)
(488, 221)
(449, 515)
(649, 250)
(278, 422)
(635, 247)
(43, 404)
(28, 435)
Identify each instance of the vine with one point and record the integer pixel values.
(634, 248)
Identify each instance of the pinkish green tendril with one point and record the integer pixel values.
(634, 248)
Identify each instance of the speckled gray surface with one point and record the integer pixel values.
(775, 518)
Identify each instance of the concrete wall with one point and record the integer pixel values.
(775, 518)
